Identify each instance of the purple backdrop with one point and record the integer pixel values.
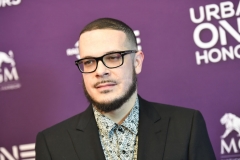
(40, 85)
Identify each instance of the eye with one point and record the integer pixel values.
(113, 57)
(88, 62)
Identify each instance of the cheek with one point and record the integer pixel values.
(87, 82)
(127, 77)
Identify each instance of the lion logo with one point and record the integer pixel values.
(7, 58)
(231, 122)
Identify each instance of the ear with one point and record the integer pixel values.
(138, 61)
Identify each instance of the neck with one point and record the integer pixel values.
(119, 115)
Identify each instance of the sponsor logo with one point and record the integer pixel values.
(138, 39)
(230, 139)
(212, 19)
(232, 123)
(9, 78)
(18, 152)
(4, 3)
(75, 51)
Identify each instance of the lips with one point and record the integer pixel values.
(105, 85)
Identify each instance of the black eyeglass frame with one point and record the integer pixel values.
(122, 53)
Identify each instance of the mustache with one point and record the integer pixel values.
(104, 81)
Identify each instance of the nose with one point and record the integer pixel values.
(102, 70)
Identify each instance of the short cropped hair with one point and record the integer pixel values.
(110, 23)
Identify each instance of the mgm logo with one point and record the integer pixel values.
(9, 78)
(230, 139)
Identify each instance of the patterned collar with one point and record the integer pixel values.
(107, 127)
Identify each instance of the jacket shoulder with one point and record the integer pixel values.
(167, 110)
(70, 123)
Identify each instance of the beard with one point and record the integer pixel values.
(117, 102)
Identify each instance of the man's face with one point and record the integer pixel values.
(106, 85)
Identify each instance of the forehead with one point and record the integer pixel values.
(98, 42)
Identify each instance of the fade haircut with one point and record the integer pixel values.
(110, 23)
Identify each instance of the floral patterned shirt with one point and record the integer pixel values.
(119, 142)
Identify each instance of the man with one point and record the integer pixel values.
(119, 124)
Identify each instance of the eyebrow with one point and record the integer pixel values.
(103, 54)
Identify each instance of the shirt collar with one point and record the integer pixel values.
(107, 126)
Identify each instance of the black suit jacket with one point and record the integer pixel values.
(165, 133)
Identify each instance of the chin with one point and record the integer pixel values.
(105, 97)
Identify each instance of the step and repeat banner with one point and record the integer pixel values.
(192, 59)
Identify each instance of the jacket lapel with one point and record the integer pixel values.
(85, 137)
(152, 132)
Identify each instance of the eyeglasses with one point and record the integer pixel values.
(110, 60)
